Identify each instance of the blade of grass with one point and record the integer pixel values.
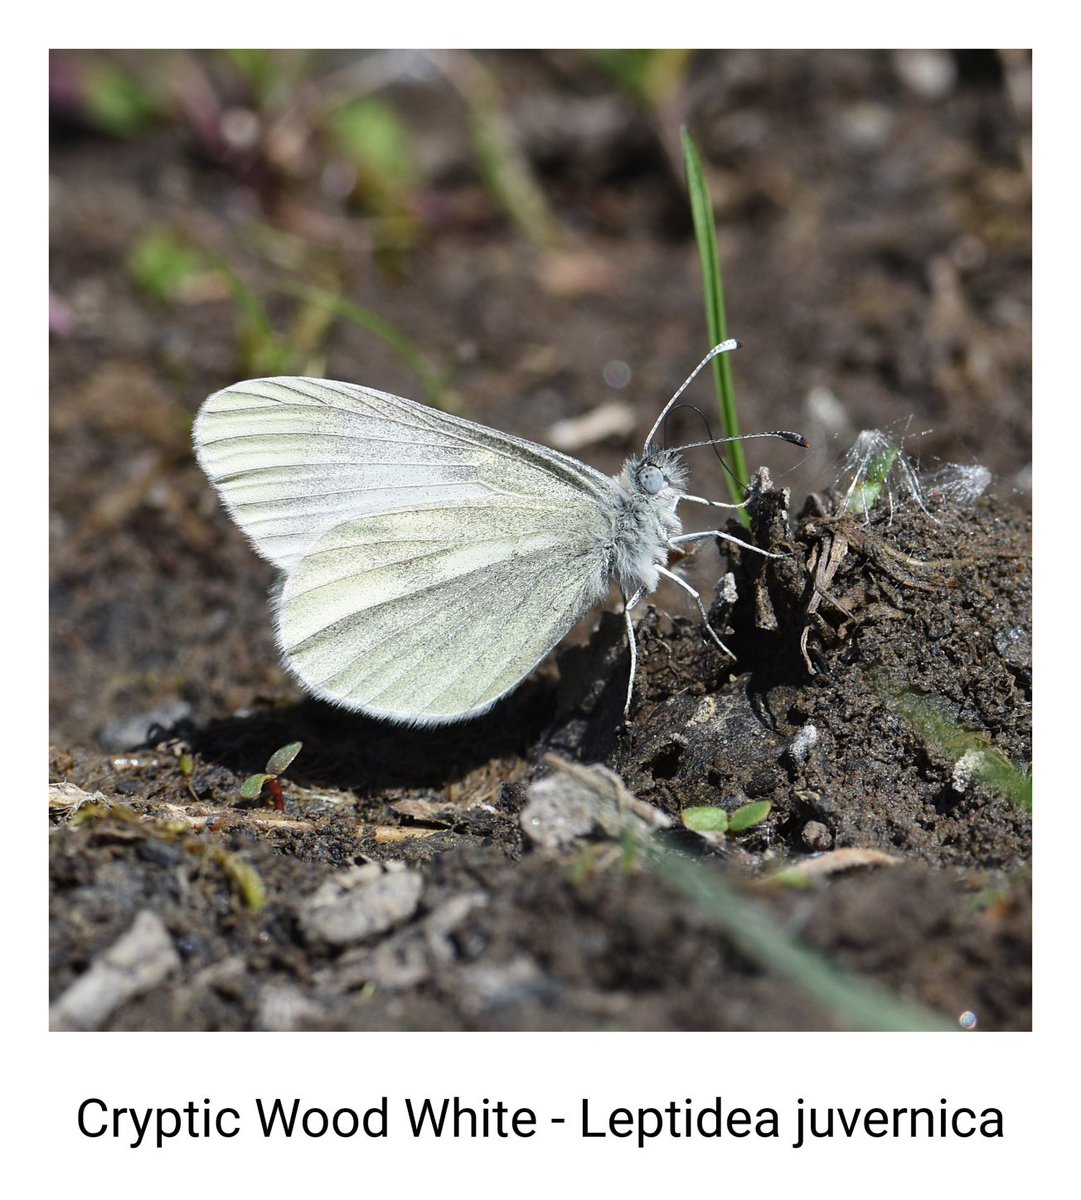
(382, 328)
(852, 1002)
(507, 171)
(262, 347)
(989, 764)
(706, 238)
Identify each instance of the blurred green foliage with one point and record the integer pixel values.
(117, 101)
(273, 76)
(750, 926)
(163, 265)
(372, 137)
(649, 75)
(375, 139)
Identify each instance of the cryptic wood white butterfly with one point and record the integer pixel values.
(428, 563)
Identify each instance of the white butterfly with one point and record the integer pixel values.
(429, 563)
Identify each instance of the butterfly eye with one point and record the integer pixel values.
(651, 479)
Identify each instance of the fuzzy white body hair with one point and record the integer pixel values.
(647, 521)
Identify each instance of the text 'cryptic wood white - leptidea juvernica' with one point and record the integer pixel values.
(428, 563)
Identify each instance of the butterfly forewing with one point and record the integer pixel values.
(292, 457)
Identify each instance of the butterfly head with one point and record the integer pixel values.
(652, 472)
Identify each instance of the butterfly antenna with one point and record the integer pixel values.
(786, 435)
(720, 348)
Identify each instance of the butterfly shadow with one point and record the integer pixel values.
(579, 714)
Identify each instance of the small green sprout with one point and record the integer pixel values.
(867, 491)
(244, 878)
(277, 764)
(714, 822)
(878, 472)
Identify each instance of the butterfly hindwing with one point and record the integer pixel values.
(429, 615)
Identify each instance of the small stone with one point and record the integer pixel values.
(575, 801)
(802, 744)
(129, 733)
(133, 964)
(360, 903)
(816, 836)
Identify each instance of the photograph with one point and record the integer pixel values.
(540, 541)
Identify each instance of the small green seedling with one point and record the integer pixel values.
(277, 764)
(866, 493)
(187, 773)
(244, 877)
(878, 473)
(714, 823)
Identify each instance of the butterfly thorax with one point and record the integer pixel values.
(649, 487)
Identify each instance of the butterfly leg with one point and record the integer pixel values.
(727, 537)
(714, 503)
(698, 600)
(632, 645)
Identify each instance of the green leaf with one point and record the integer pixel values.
(279, 762)
(705, 818)
(747, 815)
(252, 787)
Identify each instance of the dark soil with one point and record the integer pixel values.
(875, 235)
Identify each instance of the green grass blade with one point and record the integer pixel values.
(706, 238)
(383, 329)
(852, 1002)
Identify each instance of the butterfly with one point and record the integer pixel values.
(428, 563)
